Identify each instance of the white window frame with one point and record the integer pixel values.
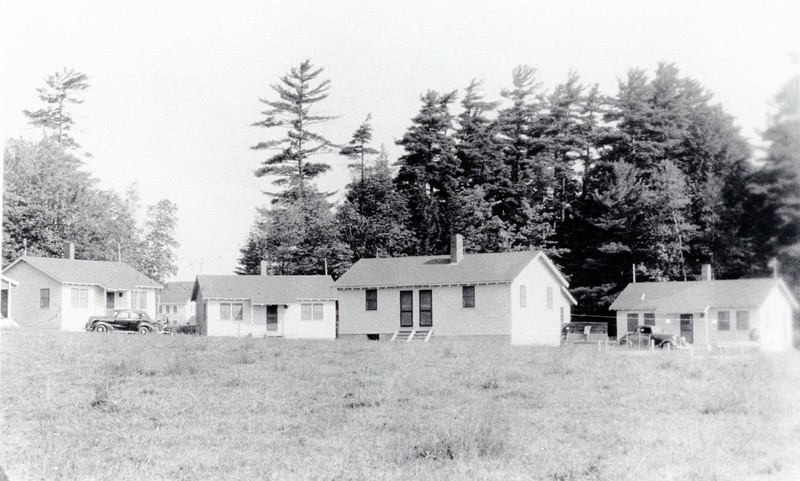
(312, 311)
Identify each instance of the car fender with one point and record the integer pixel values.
(110, 327)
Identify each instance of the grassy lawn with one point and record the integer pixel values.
(117, 407)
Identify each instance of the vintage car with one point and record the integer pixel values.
(642, 335)
(122, 320)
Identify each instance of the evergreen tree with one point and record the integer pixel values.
(54, 119)
(776, 185)
(373, 218)
(429, 173)
(295, 238)
(298, 92)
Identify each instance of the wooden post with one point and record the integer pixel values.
(652, 345)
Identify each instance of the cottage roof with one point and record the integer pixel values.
(698, 295)
(177, 292)
(112, 276)
(264, 289)
(501, 267)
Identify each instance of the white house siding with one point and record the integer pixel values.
(179, 312)
(490, 316)
(775, 328)
(25, 308)
(254, 321)
(296, 328)
(705, 324)
(74, 318)
(535, 323)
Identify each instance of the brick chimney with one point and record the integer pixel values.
(456, 248)
(263, 270)
(69, 250)
(706, 274)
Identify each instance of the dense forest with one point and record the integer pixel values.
(655, 179)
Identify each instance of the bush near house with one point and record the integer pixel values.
(82, 406)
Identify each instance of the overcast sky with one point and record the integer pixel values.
(175, 85)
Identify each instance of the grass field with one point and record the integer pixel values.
(117, 407)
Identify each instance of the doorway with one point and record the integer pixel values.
(687, 327)
(272, 318)
(109, 302)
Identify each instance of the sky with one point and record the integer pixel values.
(175, 85)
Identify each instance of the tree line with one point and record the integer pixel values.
(654, 180)
(48, 200)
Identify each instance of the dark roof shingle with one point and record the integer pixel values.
(264, 289)
(109, 275)
(696, 295)
(499, 267)
(177, 292)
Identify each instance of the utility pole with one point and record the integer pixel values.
(633, 268)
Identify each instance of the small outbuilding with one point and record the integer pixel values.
(175, 303)
(297, 307)
(518, 295)
(56, 293)
(755, 312)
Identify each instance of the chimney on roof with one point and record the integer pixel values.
(456, 248)
(263, 270)
(706, 274)
(69, 250)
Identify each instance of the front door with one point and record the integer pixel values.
(109, 302)
(687, 327)
(272, 318)
(633, 321)
(406, 309)
(425, 308)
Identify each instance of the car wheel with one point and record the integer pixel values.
(665, 345)
(144, 330)
(100, 328)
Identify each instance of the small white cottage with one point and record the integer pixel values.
(755, 312)
(55, 293)
(297, 307)
(519, 295)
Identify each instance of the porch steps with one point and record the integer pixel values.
(412, 335)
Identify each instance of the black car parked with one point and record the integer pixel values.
(122, 320)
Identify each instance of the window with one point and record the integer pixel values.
(138, 300)
(523, 297)
(44, 298)
(549, 297)
(649, 318)
(406, 308)
(633, 321)
(468, 296)
(742, 320)
(372, 299)
(311, 312)
(723, 321)
(425, 308)
(228, 311)
(79, 297)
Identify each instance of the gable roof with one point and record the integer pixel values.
(177, 292)
(698, 295)
(112, 276)
(264, 289)
(500, 268)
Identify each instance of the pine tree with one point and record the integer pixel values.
(429, 173)
(298, 92)
(373, 218)
(54, 118)
(776, 186)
